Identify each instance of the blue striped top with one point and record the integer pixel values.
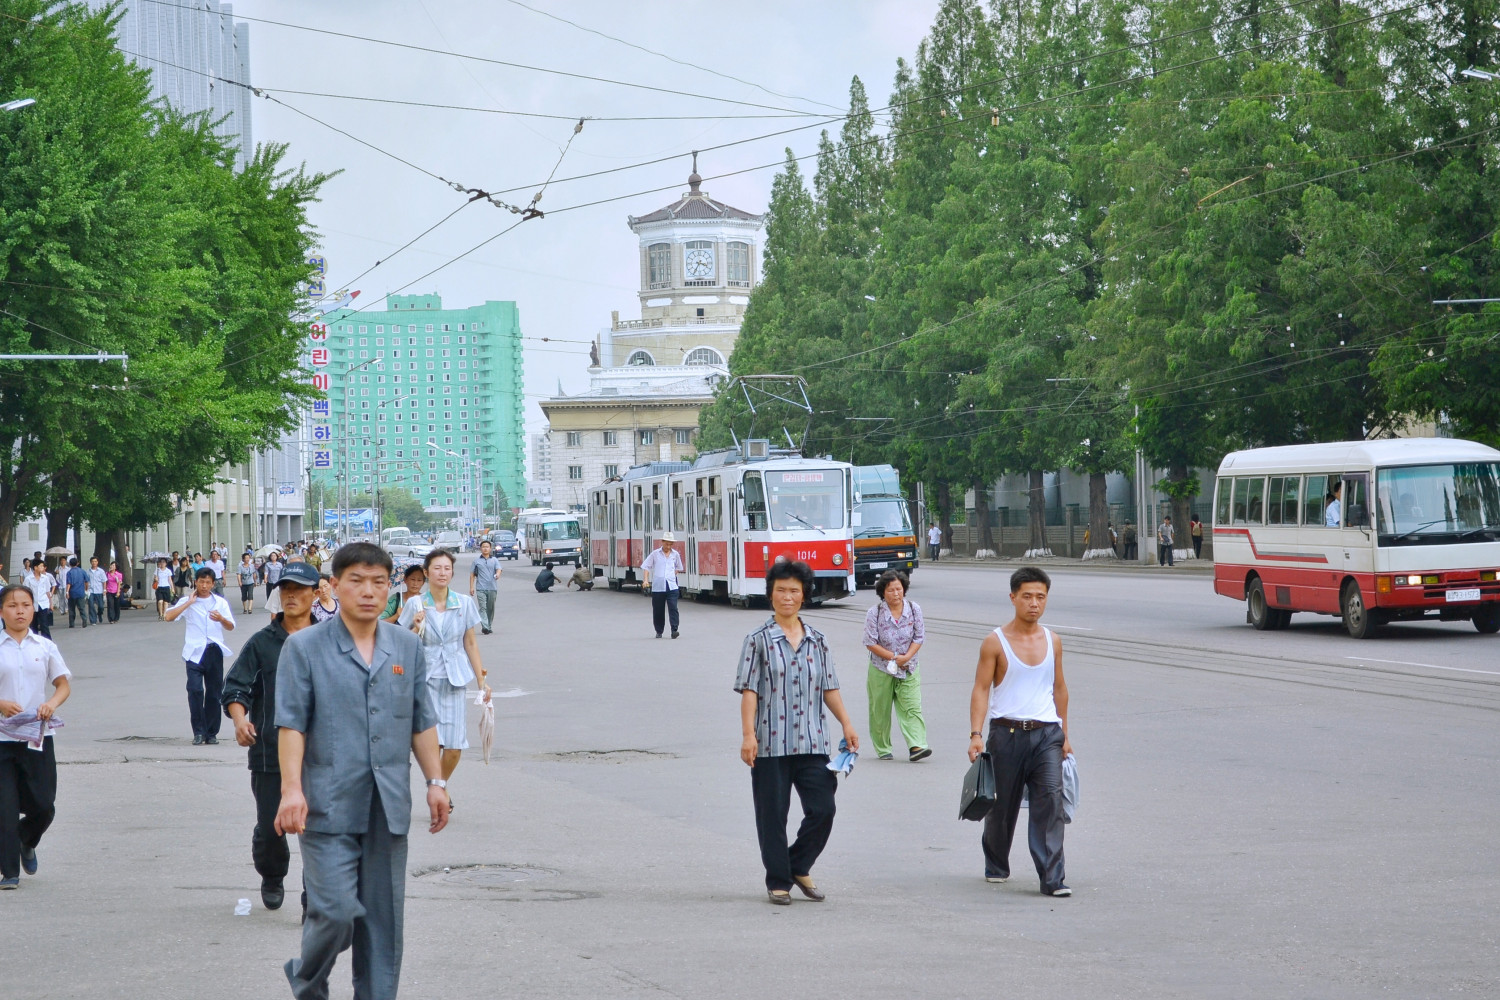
(789, 685)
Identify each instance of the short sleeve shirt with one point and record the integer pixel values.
(789, 685)
(897, 635)
(484, 573)
(247, 573)
(27, 668)
(443, 634)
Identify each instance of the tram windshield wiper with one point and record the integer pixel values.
(806, 522)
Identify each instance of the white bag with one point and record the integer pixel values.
(1069, 787)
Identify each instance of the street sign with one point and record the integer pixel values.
(320, 357)
(322, 432)
(322, 460)
(320, 408)
(320, 381)
(361, 516)
(317, 331)
(286, 490)
(317, 288)
(319, 265)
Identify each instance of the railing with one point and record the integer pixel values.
(656, 324)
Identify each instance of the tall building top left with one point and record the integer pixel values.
(199, 59)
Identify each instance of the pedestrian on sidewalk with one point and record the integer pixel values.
(182, 578)
(1019, 688)
(216, 563)
(97, 577)
(894, 633)
(357, 727)
(78, 592)
(483, 585)
(272, 572)
(42, 586)
(785, 678)
(413, 579)
(325, 604)
(165, 578)
(659, 572)
(446, 621)
(28, 777)
(934, 542)
(112, 581)
(1195, 530)
(1128, 538)
(1164, 539)
(207, 616)
(247, 573)
(250, 702)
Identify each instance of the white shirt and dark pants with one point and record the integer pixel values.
(1025, 746)
(203, 650)
(28, 776)
(663, 570)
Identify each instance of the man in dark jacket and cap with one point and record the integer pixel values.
(250, 701)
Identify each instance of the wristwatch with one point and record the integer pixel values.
(436, 783)
(975, 733)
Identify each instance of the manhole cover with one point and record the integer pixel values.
(486, 876)
(143, 739)
(607, 755)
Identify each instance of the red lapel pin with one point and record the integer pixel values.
(398, 669)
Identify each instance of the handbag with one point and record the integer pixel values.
(1069, 788)
(979, 789)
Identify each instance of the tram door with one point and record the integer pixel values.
(736, 544)
(613, 513)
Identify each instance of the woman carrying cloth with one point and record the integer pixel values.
(893, 633)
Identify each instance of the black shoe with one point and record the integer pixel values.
(658, 635)
(779, 898)
(486, 631)
(197, 739)
(272, 893)
(675, 633)
(920, 753)
(212, 741)
(28, 859)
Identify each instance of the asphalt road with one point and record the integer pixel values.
(1262, 814)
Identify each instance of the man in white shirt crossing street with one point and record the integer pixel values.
(208, 616)
(659, 573)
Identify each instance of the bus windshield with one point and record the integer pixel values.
(803, 500)
(883, 517)
(555, 531)
(1436, 504)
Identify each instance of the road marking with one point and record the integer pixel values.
(1433, 666)
(1072, 628)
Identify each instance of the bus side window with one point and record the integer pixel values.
(755, 503)
(1221, 505)
(1288, 499)
(1273, 497)
(1241, 500)
(1312, 500)
(1356, 502)
(1256, 511)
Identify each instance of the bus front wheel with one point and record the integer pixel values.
(1359, 620)
(1487, 618)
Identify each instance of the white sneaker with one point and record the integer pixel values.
(996, 878)
(1061, 890)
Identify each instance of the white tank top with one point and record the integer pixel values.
(1026, 690)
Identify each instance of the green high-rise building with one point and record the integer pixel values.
(421, 382)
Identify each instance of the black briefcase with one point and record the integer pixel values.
(979, 789)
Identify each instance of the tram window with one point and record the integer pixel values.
(1312, 500)
(656, 507)
(679, 513)
(637, 521)
(1221, 507)
(705, 514)
(1273, 508)
(755, 503)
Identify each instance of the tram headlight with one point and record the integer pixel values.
(838, 559)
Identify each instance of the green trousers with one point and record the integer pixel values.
(885, 691)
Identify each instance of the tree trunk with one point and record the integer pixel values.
(1182, 509)
(102, 547)
(1036, 516)
(57, 532)
(986, 547)
(7, 531)
(1100, 544)
(945, 516)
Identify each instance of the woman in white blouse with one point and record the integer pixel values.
(446, 621)
(28, 776)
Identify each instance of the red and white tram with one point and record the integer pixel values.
(733, 518)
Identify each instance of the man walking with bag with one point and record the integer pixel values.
(1019, 688)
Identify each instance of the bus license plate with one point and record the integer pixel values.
(1463, 595)
(885, 565)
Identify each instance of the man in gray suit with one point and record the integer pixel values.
(351, 698)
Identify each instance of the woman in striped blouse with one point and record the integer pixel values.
(893, 633)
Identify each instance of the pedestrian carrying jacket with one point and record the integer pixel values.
(252, 683)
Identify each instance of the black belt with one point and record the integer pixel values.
(1024, 725)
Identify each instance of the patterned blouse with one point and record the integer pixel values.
(897, 635)
(789, 685)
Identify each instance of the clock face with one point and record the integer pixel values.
(699, 263)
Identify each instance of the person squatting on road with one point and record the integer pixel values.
(250, 702)
(1019, 688)
(446, 622)
(483, 584)
(352, 706)
(659, 576)
(893, 633)
(785, 678)
(207, 616)
(28, 775)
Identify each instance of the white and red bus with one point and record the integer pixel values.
(733, 518)
(1414, 532)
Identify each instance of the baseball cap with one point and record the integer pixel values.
(300, 573)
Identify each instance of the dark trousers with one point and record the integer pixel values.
(1132, 551)
(1197, 546)
(356, 895)
(41, 622)
(112, 606)
(28, 786)
(771, 782)
(205, 683)
(1164, 554)
(933, 550)
(81, 606)
(1031, 761)
(268, 848)
(96, 609)
(663, 604)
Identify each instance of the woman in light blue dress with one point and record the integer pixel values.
(446, 622)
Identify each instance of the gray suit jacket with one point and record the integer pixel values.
(358, 721)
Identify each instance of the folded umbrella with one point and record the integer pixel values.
(486, 723)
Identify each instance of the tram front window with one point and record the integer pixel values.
(803, 500)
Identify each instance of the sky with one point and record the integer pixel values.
(566, 271)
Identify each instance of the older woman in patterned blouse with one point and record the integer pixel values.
(893, 634)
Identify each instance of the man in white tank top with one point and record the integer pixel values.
(1019, 688)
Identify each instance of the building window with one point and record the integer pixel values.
(429, 330)
(703, 356)
(698, 268)
(738, 265)
(646, 437)
(640, 358)
(575, 438)
(460, 330)
(659, 257)
(684, 437)
(575, 472)
(611, 471)
(611, 437)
